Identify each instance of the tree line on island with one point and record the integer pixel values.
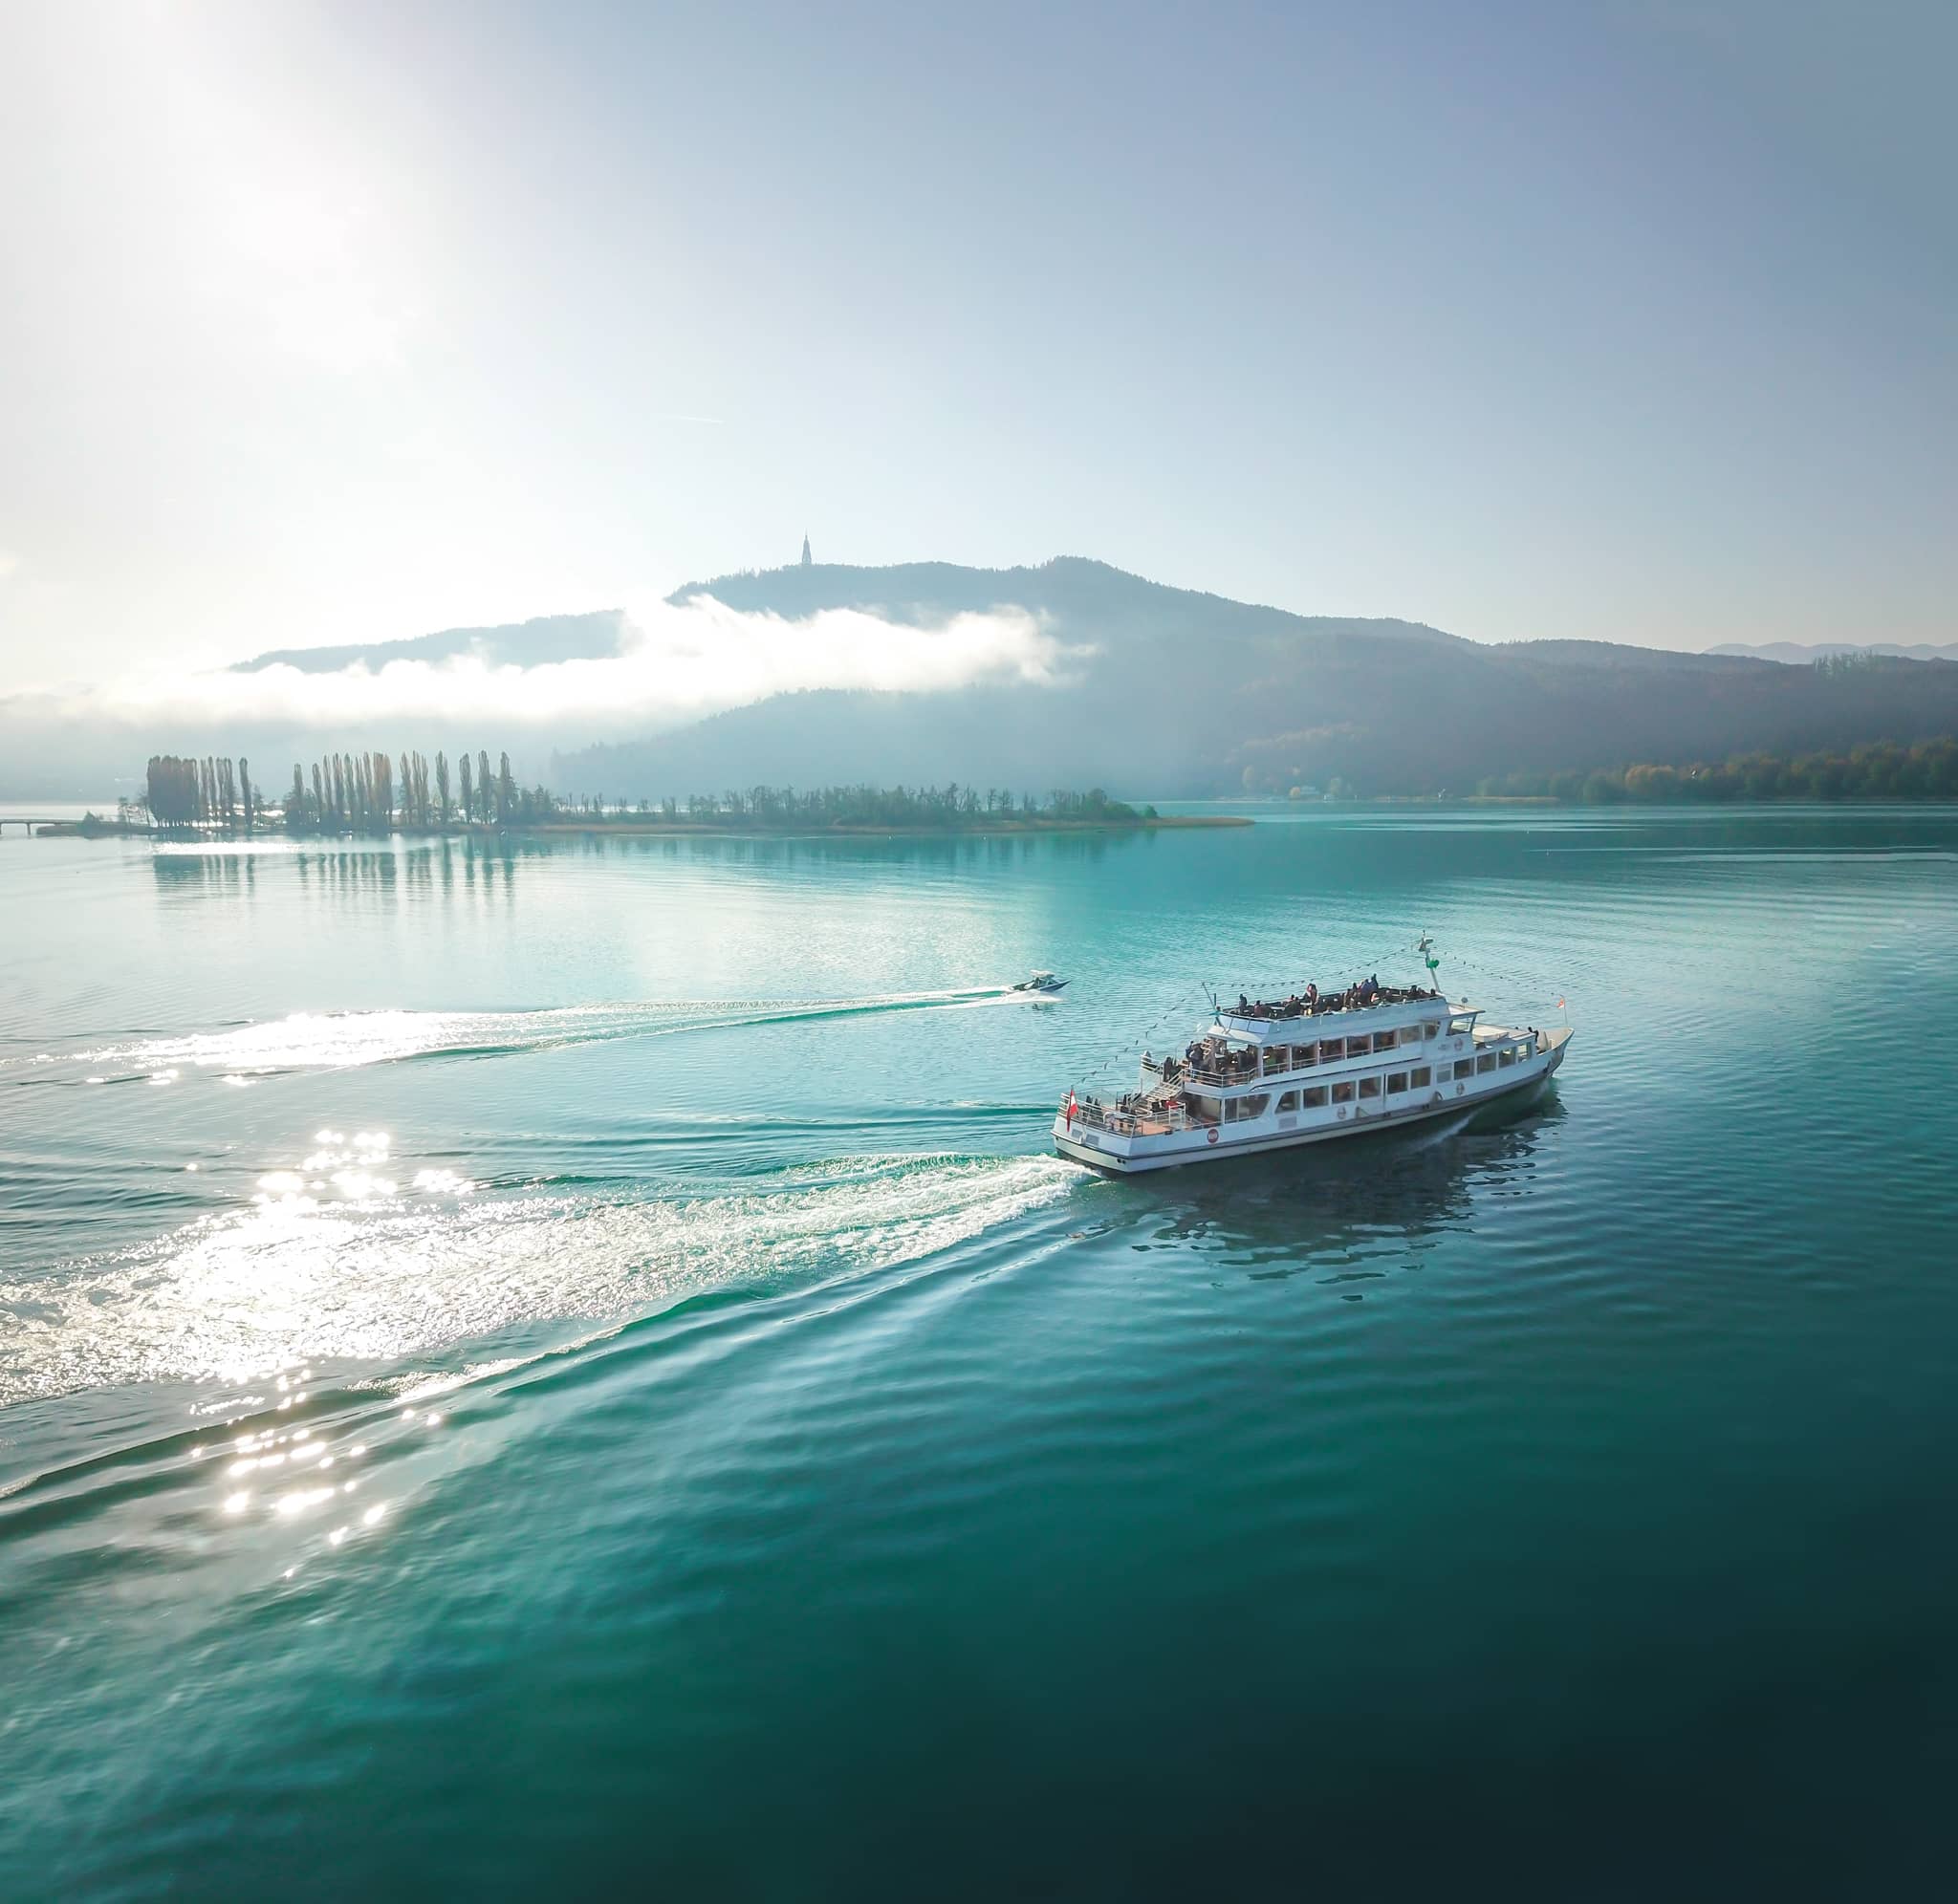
(950, 808)
(365, 792)
(373, 793)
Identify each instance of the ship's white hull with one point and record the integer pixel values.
(1123, 1155)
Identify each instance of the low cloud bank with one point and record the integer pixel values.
(679, 664)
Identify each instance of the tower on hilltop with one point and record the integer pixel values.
(805, 548)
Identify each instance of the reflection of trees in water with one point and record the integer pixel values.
(792, 850)
(205, 875)
(349, 873)
(483, 864)
(477, 869)
(1345, 1211)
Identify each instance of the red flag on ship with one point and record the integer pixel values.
(1070, 1108)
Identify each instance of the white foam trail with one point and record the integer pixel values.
(237, 1296)
(339, 1040)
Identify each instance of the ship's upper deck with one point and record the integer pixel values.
(1291, 1021)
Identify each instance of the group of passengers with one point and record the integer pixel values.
(1220, 1059)
(1311, 1002)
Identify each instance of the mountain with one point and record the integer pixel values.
(1182, 693)
(1800, 654)
(519, 645)
(1167, 692)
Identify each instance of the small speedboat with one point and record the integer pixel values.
(1040, 982)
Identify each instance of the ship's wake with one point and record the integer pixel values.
(374, 1260)
(340, 1040)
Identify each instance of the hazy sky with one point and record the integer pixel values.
(355, 320)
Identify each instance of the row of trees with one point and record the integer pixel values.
(366, 792)
(345, 793)
(185, 793)
(1883, 772)
(370, 793)
(950, 806)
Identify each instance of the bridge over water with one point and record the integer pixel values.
(28, 822)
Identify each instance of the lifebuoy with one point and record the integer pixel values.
(1458, 1091)
(1213, 1133)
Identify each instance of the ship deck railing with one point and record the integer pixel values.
(1189, 1072)
(1158, 1121)
(1283, 1011)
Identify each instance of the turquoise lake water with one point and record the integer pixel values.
(573, 1368)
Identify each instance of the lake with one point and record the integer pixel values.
(573, 1367)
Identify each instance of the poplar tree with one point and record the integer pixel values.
(171, 789)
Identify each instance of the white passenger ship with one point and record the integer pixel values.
(1268, 1075)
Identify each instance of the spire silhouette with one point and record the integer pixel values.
(805, 548)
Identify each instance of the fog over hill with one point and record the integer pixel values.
(90, 741)
(1069, 674)
(1173, 692)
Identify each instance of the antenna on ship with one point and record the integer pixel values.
(1424, 945)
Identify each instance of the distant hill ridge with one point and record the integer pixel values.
(1801, 653)
(1191, 693)
(1068, 586)
(1184, 692)
(521, 644)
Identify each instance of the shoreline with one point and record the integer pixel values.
(651, 827)
(654, 827)
(659, 827)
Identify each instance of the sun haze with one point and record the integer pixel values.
(334, 323)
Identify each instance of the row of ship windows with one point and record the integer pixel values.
(1390, 1084)
(1328, 1051)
